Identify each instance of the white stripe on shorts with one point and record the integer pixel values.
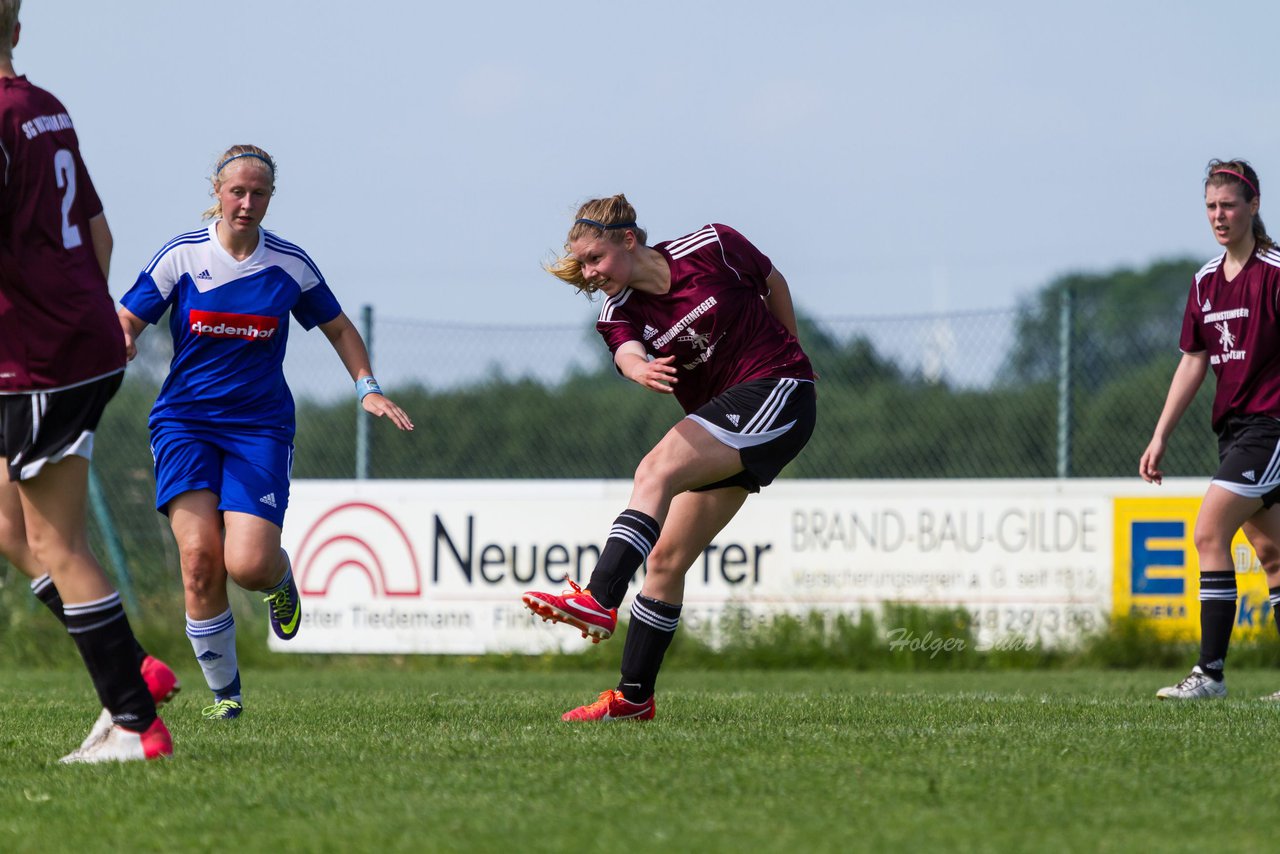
(1270, 480)
(773, 404)
(81, 447)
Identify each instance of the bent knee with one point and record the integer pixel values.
(203, 583)
(1212, 542)
(253, 571)
(1268, 555)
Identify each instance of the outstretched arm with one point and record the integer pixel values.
(346, 340)
(1182, 390)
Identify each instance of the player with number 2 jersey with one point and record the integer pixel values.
(61, 360)
(57, 325)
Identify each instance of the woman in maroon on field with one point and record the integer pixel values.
(61, 362)
(1232, 325)
(705, 317)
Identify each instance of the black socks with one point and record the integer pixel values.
(1217, 619)
(630, 540)
(653, 625)
(106, 643)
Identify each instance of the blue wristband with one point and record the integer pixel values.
(366, 386)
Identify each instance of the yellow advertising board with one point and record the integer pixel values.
(1157, 571)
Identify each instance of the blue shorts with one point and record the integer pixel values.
(249, 472)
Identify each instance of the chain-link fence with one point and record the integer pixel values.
(1040, 391)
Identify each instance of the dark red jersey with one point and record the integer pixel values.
(58, 323)
(713, 319)
(1238, 324)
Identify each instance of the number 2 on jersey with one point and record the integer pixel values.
(64, 170)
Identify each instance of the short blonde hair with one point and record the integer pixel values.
(610, 218)
(8, 20)
(235, 154)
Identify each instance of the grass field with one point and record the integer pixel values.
(384, 759)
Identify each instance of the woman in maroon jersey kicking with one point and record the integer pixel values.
(1232, 325)
(705, 317)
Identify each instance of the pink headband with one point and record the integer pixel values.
(1238, 175)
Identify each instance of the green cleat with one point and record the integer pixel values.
(223, 710)
(286, 610)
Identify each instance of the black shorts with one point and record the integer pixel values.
(1249, 457)
(768, 421)
(41, 427)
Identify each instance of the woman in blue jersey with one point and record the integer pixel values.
(223, 424)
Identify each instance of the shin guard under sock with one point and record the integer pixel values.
(630, 540)
(1217, 619)
(652, 627)
(214, 643)
(1274, 599)
(107, 645)
(49, 596)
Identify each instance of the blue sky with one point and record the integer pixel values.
(890, 158)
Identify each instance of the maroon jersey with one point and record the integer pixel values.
(58, 323)
(713, 319)
(1238, 324)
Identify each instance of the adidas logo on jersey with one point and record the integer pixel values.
(1249, 475)
(1206, 306)
(649, 332)
(733, 419)
(204, 274)
(269, 499)
(208, 655)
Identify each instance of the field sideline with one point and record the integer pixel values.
(333, 760)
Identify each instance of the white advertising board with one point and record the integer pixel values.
(392, 566)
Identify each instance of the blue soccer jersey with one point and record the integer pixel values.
(230, 325)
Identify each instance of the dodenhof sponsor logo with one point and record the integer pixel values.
(220, 324)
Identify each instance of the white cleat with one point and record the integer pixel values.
(99, 731)
(1271, 698)
(122, 745)
(1196, 685)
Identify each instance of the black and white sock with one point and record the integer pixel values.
(49, 596)
(106, 643)
(1217, 619)
(653, 625)
(630, 540)
(1274, 599)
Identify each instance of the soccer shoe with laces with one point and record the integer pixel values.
(223, 710)
(161, 681)
(612, 706)
(1196, 685)
(285, 607)
(122, 745)
(1271, 698)
(576, 607)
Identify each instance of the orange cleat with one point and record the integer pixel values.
(576, 607)
(612, 706)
